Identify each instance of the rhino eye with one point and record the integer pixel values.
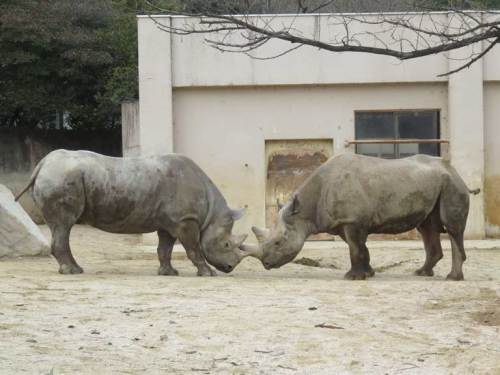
(226, 245)
(277, 243)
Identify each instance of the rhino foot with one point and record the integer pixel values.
(167, 271)
(359, 274)
(69, 269)
(370, 272)
(457, 276)
(424, 272)
(206, 271)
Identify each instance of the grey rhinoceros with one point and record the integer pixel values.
(353, 195)
(168, 194)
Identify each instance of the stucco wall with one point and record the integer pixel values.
(224, 130)
(155, 88)
(194, 63)
(492, 158)
(466, 119)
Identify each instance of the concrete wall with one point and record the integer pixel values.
(492, 158)
(131, 141)
(224, 130)
(155, 87)
(219, 108)
(466, 119)
(196, 64)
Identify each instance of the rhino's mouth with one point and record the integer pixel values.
(226, 269)
(269, 265)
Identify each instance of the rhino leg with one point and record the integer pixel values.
(430, 231)
(60, 195)
(62, 252)
(165, 247)
(360, 257)
(189, 236)
(457, 255)
(454, 208)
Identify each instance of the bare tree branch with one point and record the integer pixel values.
(276, 56)
(473, 60)
(404, 35)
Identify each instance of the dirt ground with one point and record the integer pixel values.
(120, 318)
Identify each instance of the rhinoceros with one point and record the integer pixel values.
(354, 195)
(168, 194)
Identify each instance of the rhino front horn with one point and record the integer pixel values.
(238, 240)
(261, 234)
(251, 250)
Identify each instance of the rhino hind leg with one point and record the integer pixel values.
(457, 256)
(430, 230)
(454, 209)
(61, 208)
(189, 236)
(165, 247)
(62, 252)
(360, 257)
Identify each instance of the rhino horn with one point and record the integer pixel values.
(261, 234)
(237, 214)
(238, 240)
(251, 250)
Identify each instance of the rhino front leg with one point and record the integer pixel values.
(189, 235)
(165, 247)
(360, 257)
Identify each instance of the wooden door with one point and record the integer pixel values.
(289, 163)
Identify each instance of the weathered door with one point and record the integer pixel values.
(289, 163)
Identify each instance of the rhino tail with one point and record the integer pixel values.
(474, 191)
(32, 180)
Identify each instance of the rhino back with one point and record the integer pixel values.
(131, 195)
(386, 196)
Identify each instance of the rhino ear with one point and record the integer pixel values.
(261, 234)
(237, 214)
(295, 207)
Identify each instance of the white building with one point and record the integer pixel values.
(257, 126)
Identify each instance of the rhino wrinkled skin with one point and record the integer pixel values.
(354, 195)
(168, 194)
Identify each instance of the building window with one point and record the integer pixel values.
(398, 125)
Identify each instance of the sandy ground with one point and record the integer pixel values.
(120, 318)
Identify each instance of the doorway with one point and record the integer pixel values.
(289, 163)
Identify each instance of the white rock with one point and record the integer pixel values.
(19, 235)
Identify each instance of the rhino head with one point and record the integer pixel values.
(282, 243)
(221, 248)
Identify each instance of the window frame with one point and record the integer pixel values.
(396, 115)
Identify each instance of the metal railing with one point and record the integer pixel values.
(347, 143)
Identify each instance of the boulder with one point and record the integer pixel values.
(19, 235)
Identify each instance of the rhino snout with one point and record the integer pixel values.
(267, 265)
(227, 268)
